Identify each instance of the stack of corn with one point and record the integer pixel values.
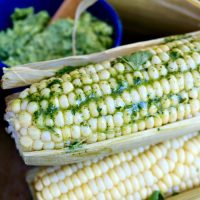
(147, 89)
(169, 167)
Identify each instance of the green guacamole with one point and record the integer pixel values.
(32, 39)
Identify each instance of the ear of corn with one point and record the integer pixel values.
(170, 167)
(101, 101)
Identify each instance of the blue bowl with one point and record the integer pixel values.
(101, 9)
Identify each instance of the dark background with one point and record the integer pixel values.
(12, 169)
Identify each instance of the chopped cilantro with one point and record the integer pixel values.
(133, 109)
(142, 105)
(181, 99)
(37, 114)
(34, 97)
(137, 81)
(175, 55)
(65, 70)
(118, 107)
(51, 110)
(121, 86)
(75, 145)
(74, 110)
(99, 109)
(55, 81)
(176, 37)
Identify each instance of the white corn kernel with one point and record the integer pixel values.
(26, 142)
(181, 64)
(32, 107)
(135, 96)
(37, 145)
(48, 145)
(180, 80)
(165, 86)
(49, 122)
(23, 131)
(143, 92)
(119, 67)
(85, 113)
(72, 98)
(68, 117)
(75, 131)
(141, 125)
(105, 87)
(67, 87)
(195, 106)
(63, 101)
(110, 105)
(104, 74)
(158, 89)
(34, 133)
(188, 81)
(59, 119)
(25, 119)
(173, 84)
(44, 104)
(24, 94)
(93, 109)
(46, 136)
(153, 72)
(78, 118)
(45, 92)
(118, 119)
(172, 67)
(101, 123)
(24, 104)
(149, 122)
(15, 105)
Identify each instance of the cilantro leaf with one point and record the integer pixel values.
(137, 59)
(175, 55)
(75, 145)
(156, 195)
(65, 70)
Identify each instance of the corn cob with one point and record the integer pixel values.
(109, 99)
(171, 167)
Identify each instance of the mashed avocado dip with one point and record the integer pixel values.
(32, 39)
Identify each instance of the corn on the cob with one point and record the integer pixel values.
(172, 166)
(106, 100)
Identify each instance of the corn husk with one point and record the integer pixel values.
(153, 18)
(110, 146)
(193, 194)
(29, 73)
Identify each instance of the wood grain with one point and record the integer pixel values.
(193, 194)
(66, 10)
